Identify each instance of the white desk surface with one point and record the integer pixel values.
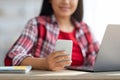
(62, 75)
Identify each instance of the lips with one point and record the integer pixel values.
(64, 8)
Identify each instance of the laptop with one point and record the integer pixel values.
(108, 58)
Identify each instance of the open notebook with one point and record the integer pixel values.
(15, 69)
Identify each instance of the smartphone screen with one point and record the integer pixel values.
(64, 45)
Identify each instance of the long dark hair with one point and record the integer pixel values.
(48, 11)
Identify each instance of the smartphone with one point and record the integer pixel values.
(65, 45)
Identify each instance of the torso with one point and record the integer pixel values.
(77, 57)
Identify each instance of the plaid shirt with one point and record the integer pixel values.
(40, 35)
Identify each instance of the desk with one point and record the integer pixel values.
(62, 75)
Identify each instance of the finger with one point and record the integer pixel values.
(63, 63)
(57, 53)
(62, 58)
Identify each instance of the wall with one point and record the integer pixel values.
(14, 14)
(100, 13)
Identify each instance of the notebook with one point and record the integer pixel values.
(109, 53)
(15, 69)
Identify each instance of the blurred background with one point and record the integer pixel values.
(14, 15)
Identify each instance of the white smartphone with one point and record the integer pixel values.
(64, 45)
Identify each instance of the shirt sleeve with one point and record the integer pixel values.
(25, 42)
(92, 48)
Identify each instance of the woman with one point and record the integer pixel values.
(59, 19)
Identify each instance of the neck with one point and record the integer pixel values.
(65, 24)
(64, 21)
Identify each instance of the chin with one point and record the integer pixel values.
(65, 14)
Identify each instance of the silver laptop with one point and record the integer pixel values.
(108, 58)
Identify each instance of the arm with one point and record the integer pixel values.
(92, 48)
(52, 62)
(36, 63)
(24, 44)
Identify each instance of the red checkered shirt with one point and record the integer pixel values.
(40, 35)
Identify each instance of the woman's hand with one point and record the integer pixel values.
(57, 61)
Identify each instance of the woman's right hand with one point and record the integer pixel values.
(57, 60)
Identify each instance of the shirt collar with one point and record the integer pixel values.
(76, 23)
(53, 19)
